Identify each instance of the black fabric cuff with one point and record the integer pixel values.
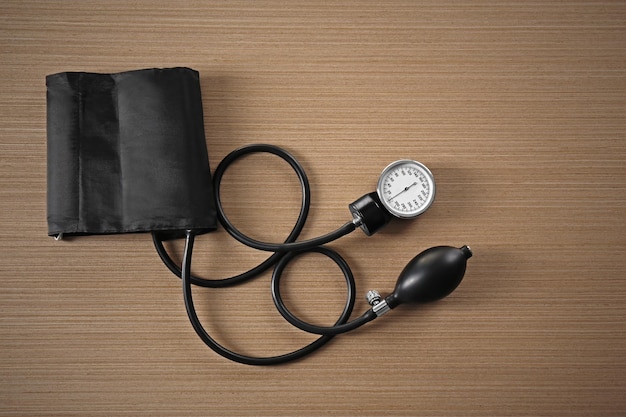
(127, 153)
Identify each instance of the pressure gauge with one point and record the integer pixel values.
(406, 188)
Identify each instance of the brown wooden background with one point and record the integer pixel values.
(518, 107)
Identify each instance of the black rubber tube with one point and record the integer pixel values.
(368, 316)
(306, 195)
(237, 357)
(284, 253)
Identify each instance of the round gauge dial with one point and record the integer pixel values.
(406, 188)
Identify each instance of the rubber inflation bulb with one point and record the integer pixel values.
(431, 275)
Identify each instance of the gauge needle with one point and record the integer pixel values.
(403, 191)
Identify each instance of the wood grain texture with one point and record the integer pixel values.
(518, 109)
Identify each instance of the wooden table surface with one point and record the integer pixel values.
(517, 107)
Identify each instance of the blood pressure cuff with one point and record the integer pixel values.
(127, 153)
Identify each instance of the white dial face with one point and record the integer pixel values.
(406, 188)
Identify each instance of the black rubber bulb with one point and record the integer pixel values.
(430, 276)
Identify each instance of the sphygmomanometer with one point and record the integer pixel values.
(127, 154)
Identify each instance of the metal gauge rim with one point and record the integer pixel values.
(424, 171)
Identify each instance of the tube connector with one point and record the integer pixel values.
(379, 306)
(369, 213)
(357, 220)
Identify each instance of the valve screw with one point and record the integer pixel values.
(373, 297)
